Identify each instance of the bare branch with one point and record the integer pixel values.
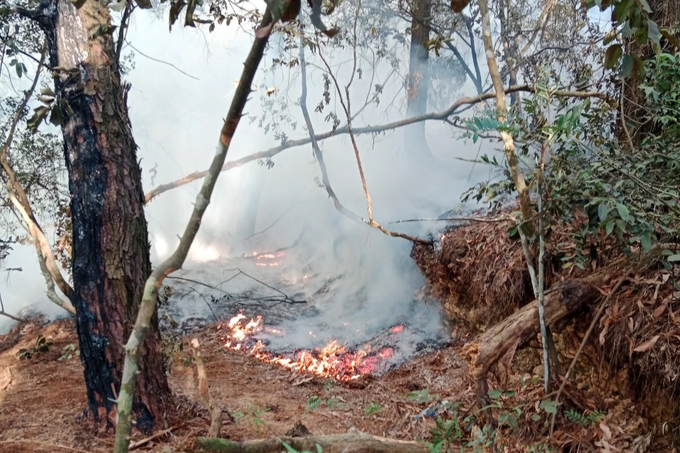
(315, 144)
(439, 116)
(346, 105)
(19, 198)
(458, 219)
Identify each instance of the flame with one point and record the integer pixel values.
(266, 259)
(333, 360)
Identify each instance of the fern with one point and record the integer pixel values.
(592, 418)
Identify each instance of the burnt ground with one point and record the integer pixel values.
(42, 397)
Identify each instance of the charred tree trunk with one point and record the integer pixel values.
(110, 244)
(417, 85)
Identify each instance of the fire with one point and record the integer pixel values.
(333, 360)
(266, 259)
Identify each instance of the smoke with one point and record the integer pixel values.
(356, 281)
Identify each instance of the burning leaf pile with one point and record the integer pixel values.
(335, 360)
(266, 259)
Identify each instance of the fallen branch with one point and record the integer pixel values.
(353, 441)
(562, 302)
(214, 409)
(139, 443)
(432, 116)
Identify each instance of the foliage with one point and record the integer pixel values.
(584, 420)
(290, 449)
(41, 346)
(610, 192)
(68, 352)
(252, 415)
(372, 408)
(632, 21)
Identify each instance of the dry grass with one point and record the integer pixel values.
(480, 275)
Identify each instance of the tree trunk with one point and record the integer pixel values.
(110, 242)
(417, 85)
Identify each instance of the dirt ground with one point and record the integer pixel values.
(42, 398)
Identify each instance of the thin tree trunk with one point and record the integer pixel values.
(110, 242)
(144, 322)
(502, 111)
(415, 142)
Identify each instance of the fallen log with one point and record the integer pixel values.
(562, 302)
(352, 442)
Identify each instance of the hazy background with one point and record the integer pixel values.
(176, 122)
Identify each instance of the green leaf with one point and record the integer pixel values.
(610, 227)
(602, 211)
(612, 56)
(549, 406)
(56, 116)
(144, 4)
(623, 212)
(645, 6)
(627, 66)
(288, 448)
(674, 258)
(653, 32)
(175, 9)
(495, 394)
(646, 242)
(189, 16)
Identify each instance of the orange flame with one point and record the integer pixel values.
(333, 360)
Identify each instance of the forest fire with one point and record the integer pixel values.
(266, 259)
(334, 360)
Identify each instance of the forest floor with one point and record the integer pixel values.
(43, 397)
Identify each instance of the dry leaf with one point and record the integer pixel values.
(606, 431)
(647, 344)
(659, 311)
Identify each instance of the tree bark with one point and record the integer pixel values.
(110, 241)
(499, 343)
(417, 84)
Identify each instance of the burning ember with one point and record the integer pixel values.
(332, 361)
(266, 259)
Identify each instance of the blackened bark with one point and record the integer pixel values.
(110, 244)
(415, 142)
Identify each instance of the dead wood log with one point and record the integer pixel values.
(562, 302)
(352, 442)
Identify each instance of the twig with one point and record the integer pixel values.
(215, 411)
(315, 144)
(19, 199)
(596, 318)
(274, 222)
(160, 61)
(44, 444)
(456, 219)
(346, 106)
(139, 443)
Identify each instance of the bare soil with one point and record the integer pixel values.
(42, 398)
